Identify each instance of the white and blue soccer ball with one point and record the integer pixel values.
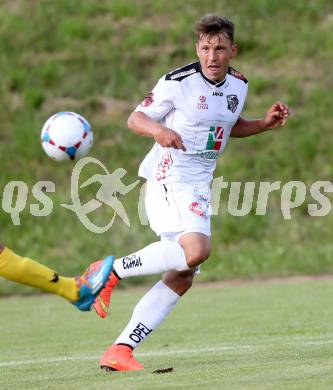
(66, 136)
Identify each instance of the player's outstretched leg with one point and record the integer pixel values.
(155, 258)
(81, 291)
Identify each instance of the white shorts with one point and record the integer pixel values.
(174, 209)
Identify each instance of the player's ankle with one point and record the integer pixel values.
(2, 248)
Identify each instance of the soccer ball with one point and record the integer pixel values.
(66, 136)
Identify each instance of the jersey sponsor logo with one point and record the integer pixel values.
(215, 138)
(209, 155)
(233, 102)
(164, 165)
(215, 93)
(202, 105)
(148, 100)
(139, 332)
(132, 261)
(181, 74)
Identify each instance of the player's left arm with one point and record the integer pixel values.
(275, 116)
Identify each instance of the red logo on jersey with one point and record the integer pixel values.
(164, 165)
(148, 100)
(202, 105)
(196, 209)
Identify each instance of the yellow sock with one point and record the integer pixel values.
(26, 271)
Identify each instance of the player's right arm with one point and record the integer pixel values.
(146, 118)
(141, 124)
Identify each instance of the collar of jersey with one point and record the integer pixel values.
(216, 84)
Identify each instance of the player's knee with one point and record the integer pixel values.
(197, 255)
(196, 247)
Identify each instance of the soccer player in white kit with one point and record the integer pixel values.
(191, 113)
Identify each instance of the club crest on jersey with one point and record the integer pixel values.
(232, 101)
(148, 100)
(202, 105)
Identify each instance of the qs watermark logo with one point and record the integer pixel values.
(240, 198)
(111, 186)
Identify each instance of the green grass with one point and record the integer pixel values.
(101, 58)
(259, 336)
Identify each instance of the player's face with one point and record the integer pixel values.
(215, 53)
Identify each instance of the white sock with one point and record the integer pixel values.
(150, 311)
(155, 258)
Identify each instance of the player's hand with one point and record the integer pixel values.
(276, 116)
(169, 138)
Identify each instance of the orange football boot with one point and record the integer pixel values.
(119, 357)
(102, 301)
(92, 282)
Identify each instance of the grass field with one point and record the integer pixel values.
(259, 336)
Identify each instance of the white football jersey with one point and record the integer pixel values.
(202, 112)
